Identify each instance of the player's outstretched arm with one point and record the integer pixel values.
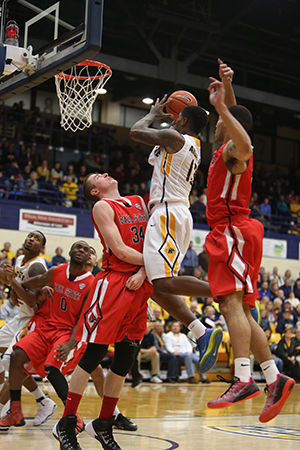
(103, 215)
(141, 131)
(226, 76)
(239, 146)
(27, 296)
(39, 281)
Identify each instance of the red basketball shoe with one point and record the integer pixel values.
(278, 393)
(237, 392)
(13, 418)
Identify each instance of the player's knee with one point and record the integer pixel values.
(17, 358)
(92, 357)
(125, 352)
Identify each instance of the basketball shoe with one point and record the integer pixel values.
(237, 392)
(277, 394)
(123, 423)
(101, 430)
(13, 418)
(46, 408)
(64, 432)
(208, 346)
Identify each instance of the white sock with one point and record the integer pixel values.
(197, 328)
(242, 369)
(38, 394)
(1, 386)
(270, 371)
(1, 407)
(116, 412)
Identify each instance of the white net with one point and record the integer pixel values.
(77, 91)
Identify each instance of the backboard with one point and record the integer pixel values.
(62, 33)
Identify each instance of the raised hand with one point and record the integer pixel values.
(216, 93)
(225, 72)
(157, 108)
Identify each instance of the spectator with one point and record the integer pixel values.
(297, 289)
(43, 171)
(178, 344)
(47, 155)
(189, 262)
(273, 287)
(194, 308)
(148, 352)
(286, 317)
(264, 291)
(164, 355)
(157, 312)
(265, 209)
(297, 311)
(286, 351)
(57, 173)
(212, 320)
(271, 316)
(286, 287)
(198, 210)
(31, 186)
(282, 207)
(83, 172)
(58, 258)
(297, 345)
(70, 172)
(292, 299)
(7, 249)
(264, 321)
(194, 196)
(275, 276)
(8, 310)
(273, 349)
(70, 189)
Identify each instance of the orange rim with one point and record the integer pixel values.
(89, 63)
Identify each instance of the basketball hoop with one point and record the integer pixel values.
(77, 92)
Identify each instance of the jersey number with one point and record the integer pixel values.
(63, 304)
(191, 173)
(138, 234)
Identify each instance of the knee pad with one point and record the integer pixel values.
(92, 357)
(125, 352)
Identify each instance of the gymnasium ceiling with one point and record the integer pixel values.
(181, 40)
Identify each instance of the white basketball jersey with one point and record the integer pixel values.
(173, 173)
(21, 272)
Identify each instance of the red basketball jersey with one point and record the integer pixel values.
(131, 221)
(228, 195)
(68, 297)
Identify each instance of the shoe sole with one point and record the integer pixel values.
(275, 409)
(90, 430)
(46, 418)
(20, 424)
(209, 358)
(225, 404)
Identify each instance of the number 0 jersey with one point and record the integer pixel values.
(173, 173)
(131, 221)
(69, 294)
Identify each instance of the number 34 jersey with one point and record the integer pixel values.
(131, 220)
(69, 294)
(173, 173)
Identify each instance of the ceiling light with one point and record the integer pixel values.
(147, 100)
(164, 125)
(101, 91)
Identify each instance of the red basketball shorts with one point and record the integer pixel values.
(40, 348)
(235, 252)
(112, 311)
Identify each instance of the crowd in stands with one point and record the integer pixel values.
(31, 171)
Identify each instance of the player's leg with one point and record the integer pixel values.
(64, 430)
(279, 386)
(16, 377)
(121, 422)
(243, 386)
(101, 428)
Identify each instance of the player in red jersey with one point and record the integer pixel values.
(48, 346)
(116, 309)
(234, 246)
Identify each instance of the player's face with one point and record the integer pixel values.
(102, 182)
(80, 252)
(33, 242)
(179, 123)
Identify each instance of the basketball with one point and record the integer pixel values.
(179, 100)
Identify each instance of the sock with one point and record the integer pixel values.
(1, 386)
(72, 403)
(15, 395)
(116, 412)
(38, 394)
(242, 369)
(270, 371)
(108, 406)
(197, 328)
(1, 407)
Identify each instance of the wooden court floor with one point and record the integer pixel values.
(170, 417)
